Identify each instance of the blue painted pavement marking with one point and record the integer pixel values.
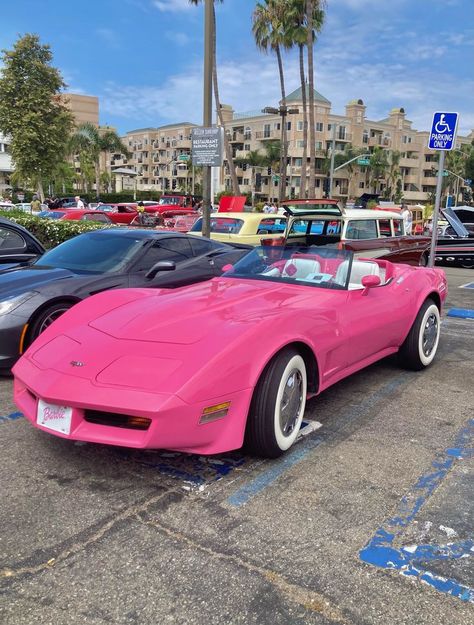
(10, 417)
(278, 467)
(463, 313)
(469, 285)
(380, 550)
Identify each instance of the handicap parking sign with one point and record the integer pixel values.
(443, 131)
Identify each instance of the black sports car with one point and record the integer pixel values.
(17, 245)
(32, 297)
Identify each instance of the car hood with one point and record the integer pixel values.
(19, 279)
(189, 315)
(171, 342)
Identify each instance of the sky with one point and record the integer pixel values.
(143, 58)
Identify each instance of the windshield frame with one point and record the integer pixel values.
(275, 255)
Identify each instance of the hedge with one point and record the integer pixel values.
(51, 232)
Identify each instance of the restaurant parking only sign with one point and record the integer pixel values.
(207, 146)
(443, 131)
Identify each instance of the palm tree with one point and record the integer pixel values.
(270, 29)
(215, 87)
(271, 158)
(393, 174)
(92, 141)
(378, 165)
(299, 36)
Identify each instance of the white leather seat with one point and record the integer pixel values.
(300, 268)
(359, 269)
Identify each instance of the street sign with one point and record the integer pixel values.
(443, 131)
(445, 173)
(183, 157)
(207, 146)
(276, 178)
(468, 181)
(363, 161)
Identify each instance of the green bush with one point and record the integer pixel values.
(51, 232)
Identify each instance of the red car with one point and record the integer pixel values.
(182, 204)
(77, 214)
(119, 213)
(179, 223)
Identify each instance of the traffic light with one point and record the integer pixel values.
(244, 166)
(269, 171)
(258, 179)
(174, 184)
(167, 183)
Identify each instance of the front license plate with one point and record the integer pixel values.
(54, 417)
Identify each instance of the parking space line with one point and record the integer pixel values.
(10, 417)
(462, 313)
(380, 551)
(468, 285)
(298, 453)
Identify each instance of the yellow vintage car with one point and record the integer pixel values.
(245, 228)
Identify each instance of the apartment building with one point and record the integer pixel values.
(6, 167)
(250, 131)
(161, 158)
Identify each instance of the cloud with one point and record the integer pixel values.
(178, 38)
(173, 6)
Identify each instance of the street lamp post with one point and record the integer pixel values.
(207, 111)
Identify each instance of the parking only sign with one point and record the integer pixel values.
(443, 131)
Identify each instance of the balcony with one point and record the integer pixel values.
(411, 179)
(183, 143)
(429, 180)
(263, 135)
(415, 196)
(406, 161)
(346, 136)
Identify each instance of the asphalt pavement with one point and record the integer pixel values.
(368, 520)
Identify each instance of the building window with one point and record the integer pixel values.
(365, 136)
(288, 125)
(247, 147)
(299, 126)
(361, 185)
(266, 131)
(298, 162)
(319, 126)
(300, 144)
(319, 145)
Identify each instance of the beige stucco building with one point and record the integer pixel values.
(160, 156)
(85, 108)
(249, 131)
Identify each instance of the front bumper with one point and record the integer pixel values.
(11, 328)
(174, 423)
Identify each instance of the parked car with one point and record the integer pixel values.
(119, 213)
(455, 244)
(32, 297)
(366, 232)
(465, 214)
(81, 214)
(246, 228)
(17, 244)
(179, 203)
(178, 223)
(213, 364)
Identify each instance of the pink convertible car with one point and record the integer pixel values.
(204, 368)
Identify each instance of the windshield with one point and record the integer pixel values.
(175, 201)
(327, 268)
(91, 252)
(221, 225)
(312, 207)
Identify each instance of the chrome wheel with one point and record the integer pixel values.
(50, 317)
(430, 334)
(291, 401)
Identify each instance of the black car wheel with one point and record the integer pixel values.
(46, 318)
(420, 346)
(278, 404)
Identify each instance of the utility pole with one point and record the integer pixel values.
(333, 150)
(207, 111)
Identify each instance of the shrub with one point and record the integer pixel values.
(51, 232)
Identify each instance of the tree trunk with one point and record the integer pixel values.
(305, 127)
(40, 190)
(284, 141)
(97, 179)
(312, 136)
(227, 146)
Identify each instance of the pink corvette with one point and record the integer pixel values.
(207, 367)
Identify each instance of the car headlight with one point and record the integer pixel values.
(10, 303)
